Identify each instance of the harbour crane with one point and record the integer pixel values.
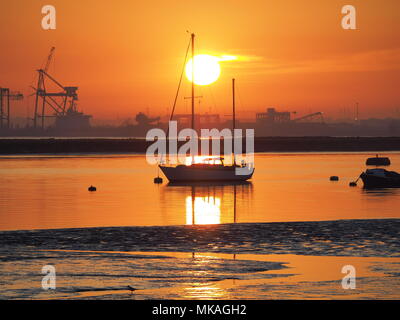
(60, 102)
(310, 116)
(50, 56)
(5, 96)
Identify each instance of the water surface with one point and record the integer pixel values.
(50, 192)
(285, 235)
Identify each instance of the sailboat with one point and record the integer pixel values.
(211, 168)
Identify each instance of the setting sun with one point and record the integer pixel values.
(206, 69)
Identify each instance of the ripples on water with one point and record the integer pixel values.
(51, 193)
(285, 235)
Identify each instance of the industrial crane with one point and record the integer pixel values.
(5, 96)
(46, 67)
(309, 116)
(45, 98)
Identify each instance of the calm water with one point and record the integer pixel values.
(51, 192)
(285, 235)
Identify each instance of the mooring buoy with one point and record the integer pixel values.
(354, 183)
(334, 178)
(91, 189)
(158, 180)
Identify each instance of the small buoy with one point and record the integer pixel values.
(334, 178)
(91, 189)
(157, 180)
(353, 184)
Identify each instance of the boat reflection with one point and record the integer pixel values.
(212, 203)
(380, 192)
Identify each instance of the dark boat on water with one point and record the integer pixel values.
(208, 171)
(380, 178)
(378, 161)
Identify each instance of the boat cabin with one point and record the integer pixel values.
(378, 161)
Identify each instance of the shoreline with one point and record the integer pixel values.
(237, 238)
(18, 146)
(243, 262)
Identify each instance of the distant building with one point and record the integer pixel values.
(272, 116)
(143, 120)
(201, 120)
(72, 120)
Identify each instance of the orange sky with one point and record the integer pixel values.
(126, 56)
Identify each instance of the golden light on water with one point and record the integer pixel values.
(207, 210)
(206, 69)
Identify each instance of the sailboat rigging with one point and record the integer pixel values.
(208, 169)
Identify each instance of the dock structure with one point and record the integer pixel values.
(5, 107)
(271, 116)
(62, 104)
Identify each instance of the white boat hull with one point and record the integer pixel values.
(184, 173)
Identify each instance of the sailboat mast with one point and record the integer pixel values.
(233, 105)
(233, 121)
(193, 81)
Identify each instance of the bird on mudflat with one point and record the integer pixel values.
(131, 289)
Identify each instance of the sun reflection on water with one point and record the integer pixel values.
(204, 292)
(206, 210)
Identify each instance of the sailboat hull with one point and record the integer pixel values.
(184, 173)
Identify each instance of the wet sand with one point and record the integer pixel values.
(301, 260)
(181, 275)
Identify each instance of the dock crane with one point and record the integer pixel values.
(311, 116)
(45, 98)
(5, 96)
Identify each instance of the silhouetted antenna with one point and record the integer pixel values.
(356, 111)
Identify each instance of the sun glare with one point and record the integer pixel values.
(207, 210)
(206, 69)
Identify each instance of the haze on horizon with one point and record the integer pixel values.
(127, 56)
